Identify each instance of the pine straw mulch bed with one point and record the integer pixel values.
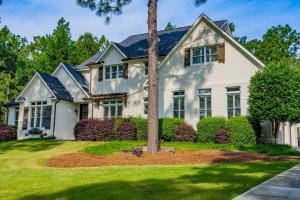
(161, 158)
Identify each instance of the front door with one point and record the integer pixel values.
(84, 111)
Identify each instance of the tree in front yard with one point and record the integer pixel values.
(275, 94)
(109, 7)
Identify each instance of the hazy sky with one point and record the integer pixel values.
(252, 17)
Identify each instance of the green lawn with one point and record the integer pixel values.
(24, 177)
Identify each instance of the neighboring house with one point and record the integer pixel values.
(203, 72)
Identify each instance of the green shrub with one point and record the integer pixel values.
(141, 125)
(35, 131)
(118, 122)
(241, 131)
(208, 127)
(167, 127)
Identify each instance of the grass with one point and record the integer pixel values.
(24, 177)
(118, 146)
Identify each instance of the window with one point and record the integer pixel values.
(112, 109)
(114, 72)
(146, 68)
(16, 116)
(178, 107)
(206, 54)
(233, 102)
(146, 105)
(37, 114)
(204, 103)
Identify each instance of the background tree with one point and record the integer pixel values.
(109, 7)
(170, 27)
(275, 94)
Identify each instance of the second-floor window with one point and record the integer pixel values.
(233, 102)
(205, 103)
(205, 54)
(113, 109)
(114, 72)
(178, 106)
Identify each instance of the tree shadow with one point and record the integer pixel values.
(28, 145)
(203, 182)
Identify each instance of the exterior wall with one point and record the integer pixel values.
(70, 84)
(11, 115)
(86, 74)
(66, 118)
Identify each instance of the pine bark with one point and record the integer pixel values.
(153, 41)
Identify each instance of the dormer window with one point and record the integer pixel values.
(205, 54)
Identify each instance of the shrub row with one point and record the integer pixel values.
(236, 130)
(7, 133)
(170, 129)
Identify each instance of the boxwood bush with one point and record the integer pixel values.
(141, 125)
(208, 127)
(167, 127)
(7, 133)
(241, 131)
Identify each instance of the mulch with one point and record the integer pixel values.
(162, 158)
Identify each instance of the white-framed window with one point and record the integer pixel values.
(178, 104)
(113, 72)
(233, 102)
(146, 69)
(37, 110)
(113, 108)
(146, 105)
(205, 54)
(17, 110)
(204, 103)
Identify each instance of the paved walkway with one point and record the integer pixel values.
(283, 186)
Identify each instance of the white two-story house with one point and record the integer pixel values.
(203, 72)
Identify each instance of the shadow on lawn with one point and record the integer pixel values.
(204, 182)
(28, 145)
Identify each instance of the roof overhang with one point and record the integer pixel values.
(111, 44)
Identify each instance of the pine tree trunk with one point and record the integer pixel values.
(153, 41)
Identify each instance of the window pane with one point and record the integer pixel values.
(38, 118)
(204, 91)
(237, 112)
(196, 52)
(229, 101)
(146, 68)
(176, 114)
(121, 71)
(114, 70)
(120, 110)
(181, 114)
(213, 58)
(107, 72)
(113, 111)
(208, 113)
(176, 103)
(230, 113)
(202, 102)
(237, 101)
(208, 102)
(106, 111)
(235, 89)
(202, 114)
(182, 103)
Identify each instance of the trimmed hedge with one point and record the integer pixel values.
(185, 133)
(222, 137)
(241, 131)
(94, 130)
(167, 127)
(141, 125)
(208, 127)
(126, 131)
(7, 133)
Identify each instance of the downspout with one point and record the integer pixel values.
(54, 120)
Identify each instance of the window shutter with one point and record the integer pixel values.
(187, 57)
(221, 57)
(25, 118)
(125, 75)
(47, 117)
(100, 75)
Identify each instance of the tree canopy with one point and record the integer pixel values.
(170, 27)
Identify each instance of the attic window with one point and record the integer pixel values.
(205, 54)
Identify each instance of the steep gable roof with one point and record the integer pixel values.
(56, 87)
(77, 76)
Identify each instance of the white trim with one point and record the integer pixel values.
(227, 36)
(106, 50)
(39, 76)
(74, 79)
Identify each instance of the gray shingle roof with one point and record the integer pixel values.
(92, 59)
(56, 87)
(79, 77)
(10, 104)
(136, 46)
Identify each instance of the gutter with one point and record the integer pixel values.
(54, 120)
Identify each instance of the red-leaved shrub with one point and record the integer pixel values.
(222, 137)
(185, 133)
(94, 130)
(7, 133)
(126, 131)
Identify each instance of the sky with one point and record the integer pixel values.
(252, 18)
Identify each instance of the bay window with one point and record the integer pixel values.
(113, 72)
(178, 104)
(205, 54)
(233, 102)
(40, 115)
(204, 103)
(112, 109)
